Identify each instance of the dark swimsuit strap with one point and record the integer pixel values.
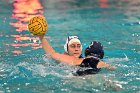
(90, 64)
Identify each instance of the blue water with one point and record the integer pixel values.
(24, 68)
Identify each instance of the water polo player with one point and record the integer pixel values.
(92, 63)
(72, 47)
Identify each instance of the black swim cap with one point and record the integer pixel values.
(95, 49)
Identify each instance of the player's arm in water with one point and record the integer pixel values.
(102, 64)
(96, 63)
(57, 56)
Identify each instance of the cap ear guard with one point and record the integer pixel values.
(66, 48)
(66, 44)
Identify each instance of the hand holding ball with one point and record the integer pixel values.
(38, 26)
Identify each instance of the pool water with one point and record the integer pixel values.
(26, 69)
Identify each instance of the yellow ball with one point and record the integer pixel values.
(38, 25)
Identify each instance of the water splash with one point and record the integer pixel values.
(118, 59)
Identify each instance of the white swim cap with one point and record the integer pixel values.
(69, 41)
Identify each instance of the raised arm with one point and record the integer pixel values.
(38, 26)
(57, 56)
(46, 46)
